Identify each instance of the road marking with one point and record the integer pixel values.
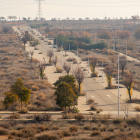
(109, 96)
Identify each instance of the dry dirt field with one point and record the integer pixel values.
(15, 63)
(83, 128)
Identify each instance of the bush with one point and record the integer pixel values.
(117, 120)
(35, 88)
(47, 136)
(73, 110)
(41, 117)
(58, 70)
(66, 133)
(68, 116)
(95, 128)
(14, 116)
(3, 131)
(94, 74)
(73, 128)
(90, 101)
(137, 108)
(54, 127)
(95, 133)
(23, 110)
(92, 107)
(79, 117)
(87, 127)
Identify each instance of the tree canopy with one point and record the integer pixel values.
(21, 91)
(64, 95)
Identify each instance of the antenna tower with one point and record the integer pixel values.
(39, 12)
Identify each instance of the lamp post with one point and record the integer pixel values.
(118, 84)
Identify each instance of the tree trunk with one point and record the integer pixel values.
(129, 96)
(79, 88)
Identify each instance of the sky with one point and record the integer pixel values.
(70, 8)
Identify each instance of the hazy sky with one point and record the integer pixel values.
(71, 8)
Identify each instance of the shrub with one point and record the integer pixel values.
(35, 88)
(73, 128)
(117, 120)
(23, 110)
(14, 116)
(66, 133)
(54, 127)
(111, 129)
(137, 108)
(92, 107)
(94, 74)
(103, 128)
(95, 133)
(41, 117)
(95, 128)
(47, 136)
(40, 53)
(87, 127)
(73, 110)
(68, 116)
(58, 70)
(79, 117)
(90, 101)
(3, 131)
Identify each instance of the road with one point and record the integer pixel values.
(104, 98)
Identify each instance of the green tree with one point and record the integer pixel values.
(70, 79)
(9, 99)
(21, 91)
(64, 95)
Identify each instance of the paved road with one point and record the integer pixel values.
(106, 100)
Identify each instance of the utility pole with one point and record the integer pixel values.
(88, 63)
(39, 12)
(86, 87)
(126, 49)
(118, 84)
(69, 50)
(77, 55)
(102, 70)
(62, 57)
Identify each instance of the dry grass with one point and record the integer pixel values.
(73, 128)
(79, 116)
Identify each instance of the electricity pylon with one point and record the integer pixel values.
(39, 12)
